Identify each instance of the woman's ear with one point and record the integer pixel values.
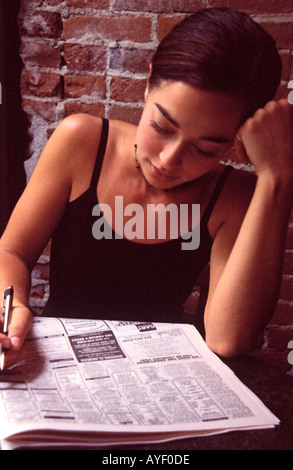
(147, 90)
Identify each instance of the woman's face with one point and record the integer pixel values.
(184, 132)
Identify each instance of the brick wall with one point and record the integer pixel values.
(92, 56)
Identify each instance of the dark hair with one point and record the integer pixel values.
(219, 49)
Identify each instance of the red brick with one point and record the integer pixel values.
(85, 58)
(40, 54)
(45, 109)
(282, 92)
(41, 24)
(127, 89)
(79, 85)
(31, 3)
(288, 263)
(287, 63)
(287, 288)
(54, 3)
(37, 3)
(130, 60)
(259, 6)
(165, 26)
(73, 107)
(125, 113)
(117, 28)
(163, 6)
(278, 338)
(289, 238)
(95, 4)
(42, 84)
(283, 314)
(281, 31)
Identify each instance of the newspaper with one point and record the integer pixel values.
(103, 383)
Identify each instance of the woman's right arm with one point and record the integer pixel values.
(39, 211)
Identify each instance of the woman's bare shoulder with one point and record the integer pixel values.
(81, 130)
(74, 146)
(81, 122)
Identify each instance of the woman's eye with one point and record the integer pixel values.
(202, 152)
(166, 132)
(160, 129)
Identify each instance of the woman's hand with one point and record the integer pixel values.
(267, 141)
(21, 321)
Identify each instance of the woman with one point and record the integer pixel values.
(210, 85)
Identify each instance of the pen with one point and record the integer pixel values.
(6, 310)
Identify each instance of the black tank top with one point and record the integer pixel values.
(117, 279)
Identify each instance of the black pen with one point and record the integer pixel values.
(6, 310)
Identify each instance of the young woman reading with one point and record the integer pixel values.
(211, 85)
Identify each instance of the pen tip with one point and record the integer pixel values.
(2, 362)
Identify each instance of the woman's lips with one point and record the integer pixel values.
(161, 176)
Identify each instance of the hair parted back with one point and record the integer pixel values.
(223, 50)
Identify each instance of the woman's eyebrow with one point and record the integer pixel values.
(167, 115)
(214, 139)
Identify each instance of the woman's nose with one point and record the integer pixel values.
(171, 155)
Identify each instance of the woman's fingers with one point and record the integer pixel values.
(267, 139)
(240, 150)
(20, 323)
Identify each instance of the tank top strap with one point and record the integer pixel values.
(100, 153)
(217, 191)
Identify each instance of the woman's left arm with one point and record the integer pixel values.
(246, 263)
